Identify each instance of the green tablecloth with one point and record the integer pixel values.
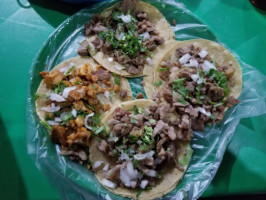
(25, 27)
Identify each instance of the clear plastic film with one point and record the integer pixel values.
(74, 181)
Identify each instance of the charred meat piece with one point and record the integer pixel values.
(102, 74)
(58, 135)
(83, 48)
(98, 43)
(231, 101)
(216, 93)
(197, 124)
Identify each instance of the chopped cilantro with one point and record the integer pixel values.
(148, 130)
(157, 84)
(135, 163)
(139, 192)
(162, 69)
(96, 119)
(178, 86)
(152, 121)
(36, 96)
(124, 141)
(59, 88)
(47, 117)
(220, 78)
(68, 116)
(212, 117)
(158, 175)
(184, 160)
(143, 147)
(133, 138)
(115, 152)
(137, 110)
(78, 82)
(182, 100)
(70, 70)
(99, 130)
(46, 125)
(116, 79)
(134, 121)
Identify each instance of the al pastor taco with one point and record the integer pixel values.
(71, 99)
(140, 154)
(200, 78)
(123, 37)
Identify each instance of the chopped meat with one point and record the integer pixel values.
(148, 161)
(197, 124)
(80, 154)
(122, 128)
(58, 135)
(159, 127)
(106, 47)
(123, 94)
(53, 78)
(164, 75)
(127, 5)
(113, 174)
(231, 101)
(184, 134)
(216, 93)
(133, 70)
(141, 15)
(185, 122)
(76, 94)
(44, 73)
(93, 101)
(139, 96)
(102, 74)
(163, 111)
(103, 146)
(167, 94)
(88, 29)
(186, 73)
(98, 43)
(83, 48)
(190, 86)
(112, 122)
(117, 128)
(171, 133)
(99, 28)
(119, 112)
(193, 112)
(135, 131)
(157, 40)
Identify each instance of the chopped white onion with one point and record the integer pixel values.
(106, 94)
(119, 67)
(67, 90)
(143, 156)
(53, 108)
(52, 123)
(108, 183)
(97, 164)
(192, 63)
(206, 66)
(133, 184)
(124, 156)
(86, 121)
(131, 172)
(110, 59)
(120, 37)
(57, 119)
(74, 112)
(56, 97)
(148, 59)
(139, 142)
(185, 58)
(151, 173)
(144, 183)
(125, 18)
(139, 176)
(64, 70)
(203, 53)
(112, 139)
(200, 80)
(106, 167)
(145, 36)
(124, 177)
(203, 111)
(158, 161)
(195, 77)
(80, 90)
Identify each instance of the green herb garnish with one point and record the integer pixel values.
(178, 86)
(158, 83)
(134, 121)
(59, 88)
(152, 121)
(220, 78)
(70, 70)
(46, 125)
(116, 79)
(162, 69)
(137, 110)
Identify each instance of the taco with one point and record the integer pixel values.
(200, 78)
(123, 37)
(140, 154)
(71, 99)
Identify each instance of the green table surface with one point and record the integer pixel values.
(25, 26)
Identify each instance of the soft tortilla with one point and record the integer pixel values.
(155, 16)
(171, 175)
(216, 51)
(79, 62)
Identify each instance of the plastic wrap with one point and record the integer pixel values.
(74, 181)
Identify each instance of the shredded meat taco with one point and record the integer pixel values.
(140, 154)
(200, 78)
(124, 37)
(71, 99)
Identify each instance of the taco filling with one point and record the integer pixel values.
(140, 142)
(70, 101)
(127, 36)
(196, 85)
